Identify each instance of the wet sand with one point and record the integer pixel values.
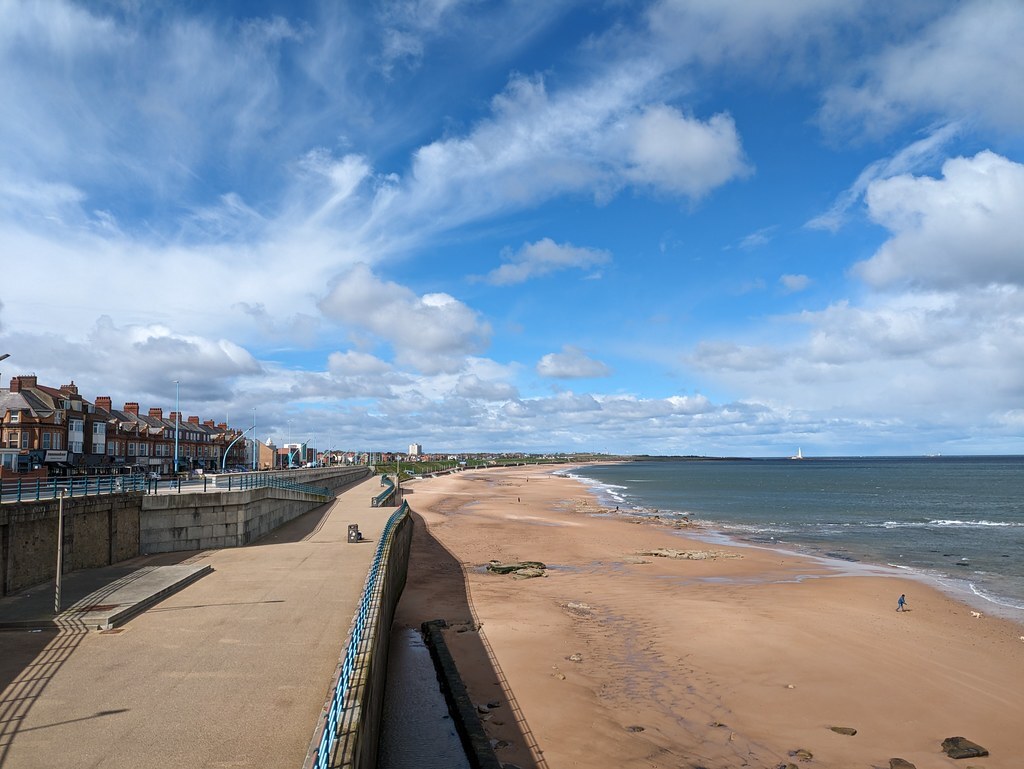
(738, 659)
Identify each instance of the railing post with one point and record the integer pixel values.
(19, 488)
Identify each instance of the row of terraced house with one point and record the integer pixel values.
(55, 431)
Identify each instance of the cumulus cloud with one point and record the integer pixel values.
(542, 258)
(472, 386)
(936, 358)
(571, 363)
(680, 155)
(962, 228)
(432, 332)
(964, 64)
(355, 363)
(597, 138)
(917, 156)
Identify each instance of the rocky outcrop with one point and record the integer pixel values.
(509, 568)
(961, 747)
(688, 555)
(847, 730)
(900, 763)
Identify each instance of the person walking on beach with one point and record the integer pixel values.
(902, 602)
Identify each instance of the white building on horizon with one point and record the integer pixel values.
(415, 449)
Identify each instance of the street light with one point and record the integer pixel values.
(177, 421)
(255, 443)
(60, 549)
(224, 459)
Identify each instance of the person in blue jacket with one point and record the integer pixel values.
(902, 602)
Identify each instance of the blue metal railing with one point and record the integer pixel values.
(355, 642)
(386, 495)
(37, 489)
(262, 481)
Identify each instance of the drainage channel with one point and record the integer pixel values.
(416, 730)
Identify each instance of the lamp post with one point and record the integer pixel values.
(224, 459)
(255, 443)
(177, 421)
(60, 549)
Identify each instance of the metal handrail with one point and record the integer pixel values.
(356, 641)
(39, 489)
(386, 494)
(262, 481)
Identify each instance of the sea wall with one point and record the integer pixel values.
(366, 658)
(98, 531)
(216, 519)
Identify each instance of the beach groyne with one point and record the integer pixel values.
(348, 732)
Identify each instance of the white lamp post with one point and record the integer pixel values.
(255, 443)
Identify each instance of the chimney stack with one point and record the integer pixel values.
(193, 420)
(104, 402)
(19, 383)
(156, 413)
(131, 408)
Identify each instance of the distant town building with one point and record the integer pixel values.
(415, 450)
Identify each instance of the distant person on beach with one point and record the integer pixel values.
(902, 602)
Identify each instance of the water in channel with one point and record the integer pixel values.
(416, 730)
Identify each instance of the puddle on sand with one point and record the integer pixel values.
(416, 731)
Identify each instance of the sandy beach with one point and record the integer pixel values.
(720, 657)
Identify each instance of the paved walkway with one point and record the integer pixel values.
(230, 671)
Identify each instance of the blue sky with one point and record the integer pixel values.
(695, 227)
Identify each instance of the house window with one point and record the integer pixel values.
(24, 440)
(46, 441)
(143, 449)
(110, 449)
(12, 440)
(15, 417)
(131, 449)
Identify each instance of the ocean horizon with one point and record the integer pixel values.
(956, 522)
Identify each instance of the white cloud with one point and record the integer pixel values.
(432, 332)
(571, 363)
(917, 156)
(472, 386)
(759, 238)
(965, 64)
(936, 358)
(794, 283)
(542, 258)
(679, 155)
(594, 139)
(354, 363)
(963, 228)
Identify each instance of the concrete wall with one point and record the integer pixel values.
(98, 531)
(215, 519)
(108, 528)
(359, 732)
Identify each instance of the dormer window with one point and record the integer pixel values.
(15, 417)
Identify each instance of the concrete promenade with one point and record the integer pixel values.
(230, 671)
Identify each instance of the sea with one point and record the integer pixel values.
(955, 522)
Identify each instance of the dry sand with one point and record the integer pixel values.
(738, 660)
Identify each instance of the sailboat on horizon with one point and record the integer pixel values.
(799, 454)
